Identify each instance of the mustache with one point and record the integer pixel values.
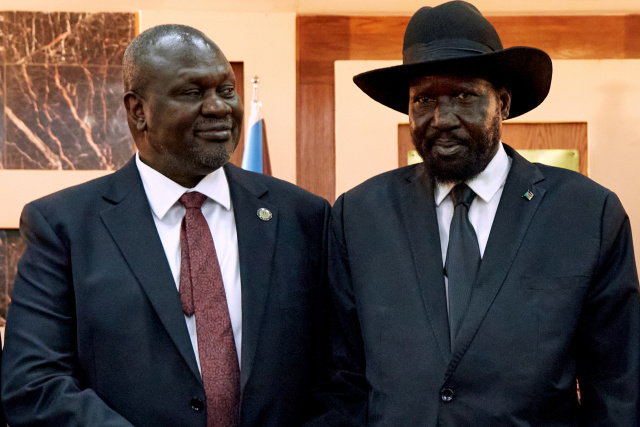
(446, 137)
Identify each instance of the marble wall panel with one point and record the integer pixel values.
(2, 122)
(4, 294)
(12, 247)
(62, 103)
(65, 117)
(66, 38)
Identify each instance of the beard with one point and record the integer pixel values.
(211, 156)
(214, 158)
(478, 151)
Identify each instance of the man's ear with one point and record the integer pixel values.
(504, 97)
(134, 104)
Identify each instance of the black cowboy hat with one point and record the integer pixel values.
(454, 38)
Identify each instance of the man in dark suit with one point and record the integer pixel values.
(486, 312)
(97, 332)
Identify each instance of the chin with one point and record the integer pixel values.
(216, 158)
(460, 167)
(218, 162)
(453, 170)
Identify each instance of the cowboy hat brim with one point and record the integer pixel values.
(525, 70)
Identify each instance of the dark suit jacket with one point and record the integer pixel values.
(95, 331)
(556, 298)
(3, 422)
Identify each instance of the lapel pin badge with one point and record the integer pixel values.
(264, 214)
(528, 195)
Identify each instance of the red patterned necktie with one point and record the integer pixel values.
(202, 293)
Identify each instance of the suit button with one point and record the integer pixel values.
(446, 395)
(197, 404)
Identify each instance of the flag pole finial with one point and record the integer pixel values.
(255, 82)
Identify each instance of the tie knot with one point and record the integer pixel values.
(461, 193)
(192, 200)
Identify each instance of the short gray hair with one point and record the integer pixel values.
(134, 75)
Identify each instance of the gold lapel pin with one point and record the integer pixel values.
(528, 195)
(264, 214)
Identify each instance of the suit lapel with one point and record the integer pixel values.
(131, 225)
(419, 212)
(509, 227)
(256, 243)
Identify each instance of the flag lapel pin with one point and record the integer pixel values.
(528, 195)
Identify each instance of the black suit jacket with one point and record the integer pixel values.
(95, 331)
(2, 420)
(556, 298)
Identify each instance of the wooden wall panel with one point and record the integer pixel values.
(535, 136)
(321, 40)
(632, 36)
(565, 37)
(377, 38)
(315, 149)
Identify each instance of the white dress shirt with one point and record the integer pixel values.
(488, 186)
(163, 195)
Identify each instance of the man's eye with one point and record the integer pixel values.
(464, 96)
(425, 100)
(228, 92)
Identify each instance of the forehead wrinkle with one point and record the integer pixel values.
(196, 67)
(221, 71)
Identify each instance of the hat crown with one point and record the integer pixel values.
(455, 39)
(450, 30)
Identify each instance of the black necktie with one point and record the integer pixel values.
(463, 257)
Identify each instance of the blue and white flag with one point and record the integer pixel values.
(256, 155)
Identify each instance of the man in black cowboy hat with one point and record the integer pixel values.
(474, 289)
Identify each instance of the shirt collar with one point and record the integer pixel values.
(163, 193)
(487, 183)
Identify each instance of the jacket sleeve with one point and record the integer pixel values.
(608, 336)
(343, 393)
(41, 379)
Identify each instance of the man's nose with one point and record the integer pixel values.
(214, 105)
(444, 116)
